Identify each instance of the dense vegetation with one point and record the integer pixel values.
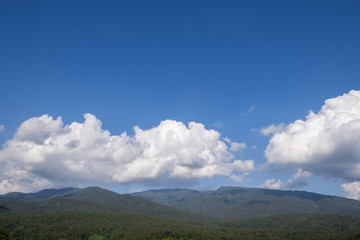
(98, 214)
(237, 202)
(90, 199)
(81, 225)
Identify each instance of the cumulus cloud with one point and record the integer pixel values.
(352, 190)
(235, 146)
(45, 153)
(272, 129)
(326, 143)
(2, 128)
(300, 179)
(239, 177)
(272, 184)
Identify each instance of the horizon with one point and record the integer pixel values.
(177, 188)
(135, 95)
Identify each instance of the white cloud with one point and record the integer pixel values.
(352, 190)
(239, 177)
(45, 153)
(300, 179)
(39, 129)
(21, 181)
(327, 143)
(235, 147)
(218, 125)
(272, 129)
(226, 139)
(2, 128)
(134, 190)
(252, 108)
(272, 184)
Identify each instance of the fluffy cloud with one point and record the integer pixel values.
(326, 143)
(234, 146)
(45, 153)
(272, 184)
(272, 129)
(300, 179)
(239, 177)
(352, 190)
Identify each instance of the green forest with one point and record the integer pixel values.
(85, 225)
(95, 213)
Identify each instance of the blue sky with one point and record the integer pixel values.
(233, 66)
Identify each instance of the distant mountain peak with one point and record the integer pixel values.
(227, 201)
(43, 194)
(94, 198)
(240, 202)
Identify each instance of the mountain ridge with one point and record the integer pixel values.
(96, 198)
(225, 202)
(240, 202)
(95, 212)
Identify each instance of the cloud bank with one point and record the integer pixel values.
(327, 143)
(45, 153)
(300, 179)
(352, 190)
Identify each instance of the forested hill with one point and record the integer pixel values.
(96, 213)
(226, 202)
(238, 202)
(43, 194)
(90, 199)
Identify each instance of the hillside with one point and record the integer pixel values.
(92, 199)
(96, 213)
(56, 204)
(90, 226)
(226, 202)
(237, 202)
(43, 194)
(129, 203)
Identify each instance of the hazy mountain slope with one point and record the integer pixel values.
(129, 203)
(43, 194)
(89, 199)
(57, 204)
(226, 202)
(237, 202)
(91, 212)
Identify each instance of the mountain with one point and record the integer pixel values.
(56, 204)
(129, 203)
(226, 202)
(96, 213)
(238, 202)
(89, 199)
(43, 194)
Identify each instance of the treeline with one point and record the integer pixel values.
(90, 225)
